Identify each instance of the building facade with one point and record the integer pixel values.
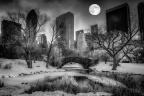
(94, 28)
(77, 35)
(78, 32)
(11, 31)
(42, 39)
(31, 25)
(141, 19)
(10, 39)
(65, 28)
(81, 43)
(118, 18)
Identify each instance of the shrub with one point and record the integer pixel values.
(1, 84)
(0, 65)
(111, 64)
(8, 66)
(10, 51)
(105, 58)
(21, 63)
(91, 86)
(134, 84)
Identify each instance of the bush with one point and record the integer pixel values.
(0, 65)
(1, 84)
(135, 85)
(111, 64)
(55, 62)
(37, 54)
(105, 58)
(10, 52)
(8, 66)
(84, 85)
(125, 61)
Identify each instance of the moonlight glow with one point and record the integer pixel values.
(94, 9)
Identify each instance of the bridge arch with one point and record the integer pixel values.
(84, 62)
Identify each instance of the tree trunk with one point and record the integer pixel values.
(48, 56)
(29, 63)
(105, 61)
(114, 63)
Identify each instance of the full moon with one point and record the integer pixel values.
(94, 9)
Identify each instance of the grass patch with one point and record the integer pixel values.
(134, 83)
(79, 84)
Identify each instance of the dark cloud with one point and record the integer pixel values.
(80, 8)
(5, 2)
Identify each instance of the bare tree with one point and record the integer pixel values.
(56, 34)
(116, 42)
(27, 43)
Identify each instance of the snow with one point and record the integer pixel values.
(19, 76)
(73, 65)
(20, 66)
(123, 68)
(60, 93)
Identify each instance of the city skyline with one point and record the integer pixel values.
(83, 19)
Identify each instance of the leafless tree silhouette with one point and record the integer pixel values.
(116, 42)
(27, 43)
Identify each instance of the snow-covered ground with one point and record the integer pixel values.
(19, 76)
(39, 73)
(123, 68)
(60, 93)
(20, 66)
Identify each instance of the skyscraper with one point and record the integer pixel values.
(10, 36)
(78, 32)
(10, 32)
(31, 25)
(141, 19)
(81, 42)
(42, 40)
(89, 41)
(118, 18)
(94, 28)
(77, 35)
(65, 28)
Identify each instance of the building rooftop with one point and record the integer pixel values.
(117, 7)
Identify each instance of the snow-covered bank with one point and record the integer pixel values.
(32, 78)
(19, 67)
(123, 68)
(61, 93)
(23, 76)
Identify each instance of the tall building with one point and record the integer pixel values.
(77, 35)
(65, 28)
(89, 41)
(78, 32)
(42, 43)
(94, 28)
(10, 32)
(141, 19)
(31, 25)
(10, 36)
(42, 39)
(81, 42)
(118, 18)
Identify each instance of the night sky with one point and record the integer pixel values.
(80, 8)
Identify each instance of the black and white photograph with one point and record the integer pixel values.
(71, 47)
